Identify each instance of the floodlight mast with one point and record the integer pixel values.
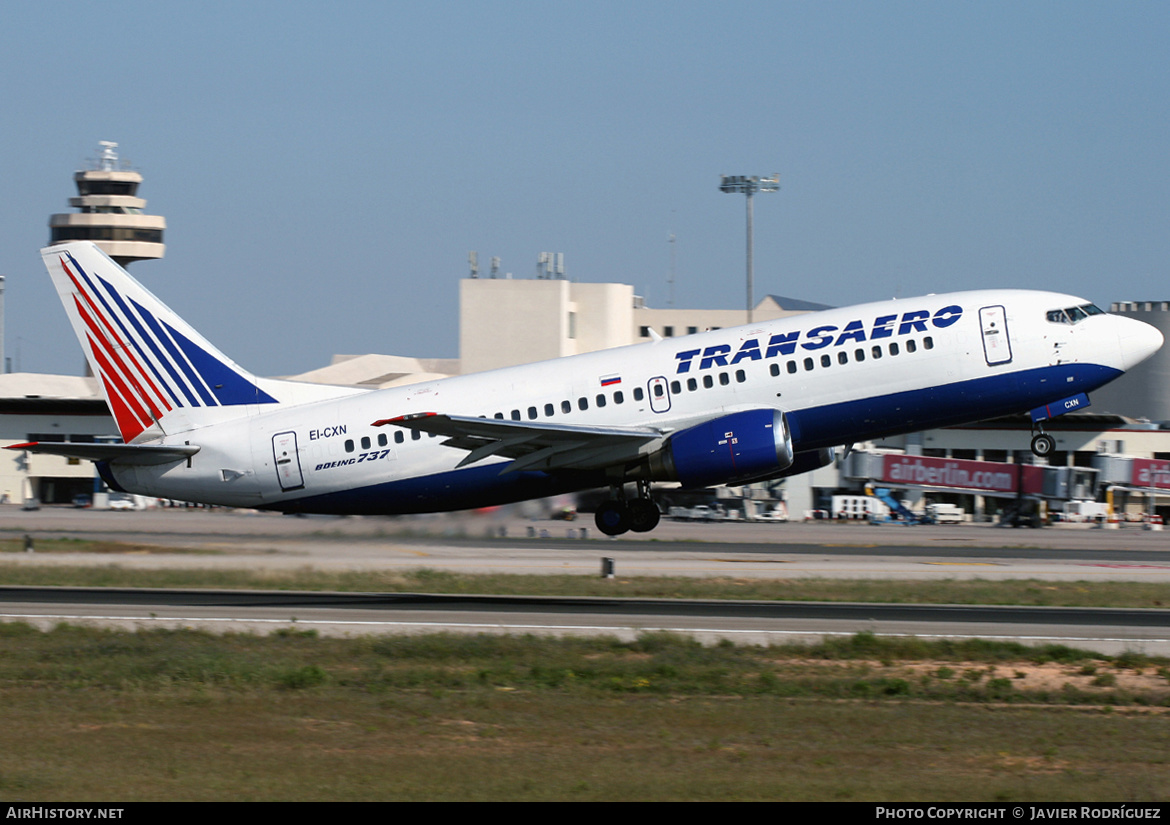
(749, 185)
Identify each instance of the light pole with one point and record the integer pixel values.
(746, 185)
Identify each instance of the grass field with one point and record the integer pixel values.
(107, 715)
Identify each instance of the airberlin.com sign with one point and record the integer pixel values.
(1151, 472)
(989, 476)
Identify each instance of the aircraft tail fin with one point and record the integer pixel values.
(149, 361)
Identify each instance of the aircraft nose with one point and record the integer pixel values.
(1138, 340)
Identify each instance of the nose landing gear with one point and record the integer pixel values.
(1043, 444)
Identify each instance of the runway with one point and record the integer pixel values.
(505, 544)
(349, 614)
(471, 544)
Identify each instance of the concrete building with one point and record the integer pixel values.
(505, 322)
(1098, 456)
(110, 213)
(55, 408)
(1144, 391)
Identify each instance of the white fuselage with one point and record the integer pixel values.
(840, 376)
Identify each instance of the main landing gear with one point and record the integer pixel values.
(618, 515)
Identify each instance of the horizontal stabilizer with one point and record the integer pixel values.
(114, 453)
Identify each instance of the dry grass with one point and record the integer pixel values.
(174, 715)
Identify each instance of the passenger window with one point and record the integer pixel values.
(877, 352)
(499, 415)
(740, 376)
(638, 394)
(692, 384)
(548, 410)
(601, 399)
(675, 387)
(618, 397)
(659, 391)
(566, 406)
(774, 369)
(515, 415)
(532, 413)
(826, 361)
(928, 342)
(582, 403)
(792, 367)
(893, 349)
(399, 437)
(365, 442)
(381, 439)
(808, 364)
(349, 445)
(415, 435)
(858, 355)
(911, 346)
(708, 381)
(842, 357)
(724, 379)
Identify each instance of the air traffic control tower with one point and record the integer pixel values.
(110, 213)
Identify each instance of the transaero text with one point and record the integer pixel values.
(786, 343)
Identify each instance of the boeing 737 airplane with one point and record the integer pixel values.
(730, 406)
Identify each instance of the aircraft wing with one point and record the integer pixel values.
(114, 453)
(533, 445)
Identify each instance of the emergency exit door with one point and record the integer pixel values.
(659, 391)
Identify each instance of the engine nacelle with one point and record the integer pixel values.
(733, 449)
(808, 461)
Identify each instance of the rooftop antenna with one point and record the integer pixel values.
(108, 162)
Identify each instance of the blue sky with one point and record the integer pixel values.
(325, 168)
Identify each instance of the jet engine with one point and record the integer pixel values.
(733, 449)
(808, 461)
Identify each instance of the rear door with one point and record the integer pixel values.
(288, 461)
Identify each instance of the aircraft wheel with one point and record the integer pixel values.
(644, 515)
(612, 517)
(1043, 444)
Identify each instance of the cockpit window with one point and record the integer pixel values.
(1073, 315)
